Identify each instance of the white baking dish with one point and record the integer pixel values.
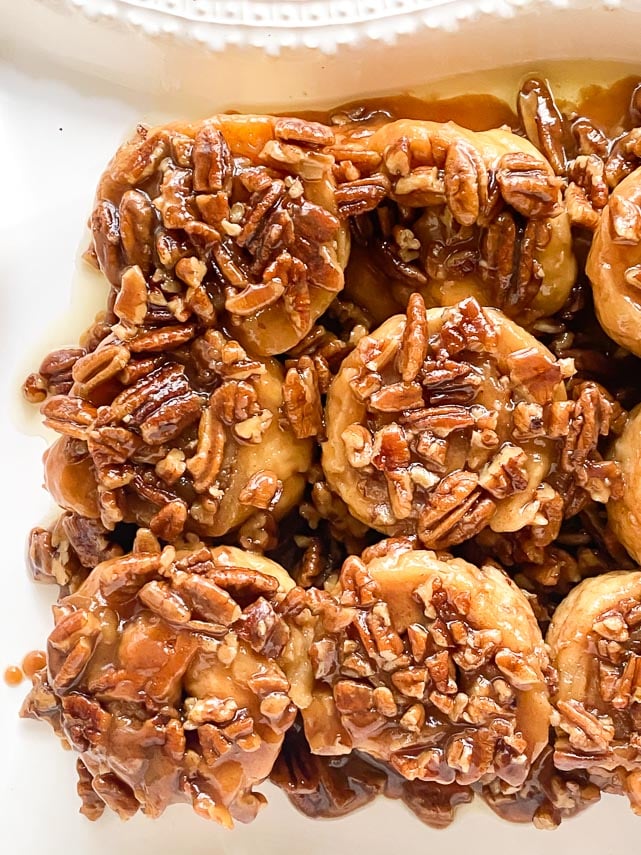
(75, 78)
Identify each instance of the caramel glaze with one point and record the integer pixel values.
(330, 787)
(607, 107)
(476, 112)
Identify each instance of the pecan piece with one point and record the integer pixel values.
(105, 231)
(301, 399)
(414, 344)
(465, 182)
(205, 464)
(69, 416)
(303, 131)
(98, 367)
(538, 373)
(263, 490)
(506, 474)
(543, 122)
(162, 338)
(390, 450)
(137, 223)
(206, 598)
(363, 194)
(527, 186)
(396, 397)
(163, 601)
(130, 304)
(254, 298)
(213, 163)
(454, 511)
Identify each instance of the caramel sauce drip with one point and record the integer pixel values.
(330, 787)
(13, 675)
(34, 661)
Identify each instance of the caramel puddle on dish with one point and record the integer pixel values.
(603, 86)
(87, 295)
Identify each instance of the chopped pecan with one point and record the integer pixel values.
(303, 131)
(358, 445)
(396, 397)
(98, 367)
(255, 298)
(206, 463)
(538, 373)
(454, 511)
(169, 521)
(390, 449)
(506, 474)
(161, 339)
(623, 157)
(166, 603)
(625, 220)
(206, 598)
(589, 139)
(69, 416)
(414, 344)
(587, 731)
(105, 230)
(263, 628)
(437, 422)
(466, 327)
(400, 488)
(422, 187)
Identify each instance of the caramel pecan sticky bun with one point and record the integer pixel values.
(594, 641)
(444, 421)
(179, 429)
(614, 263)
(231, 218)
(430, 664)
(163, 675)
(453, 213)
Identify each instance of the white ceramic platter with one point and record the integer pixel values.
(70, 90)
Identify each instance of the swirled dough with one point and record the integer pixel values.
(624, 512)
